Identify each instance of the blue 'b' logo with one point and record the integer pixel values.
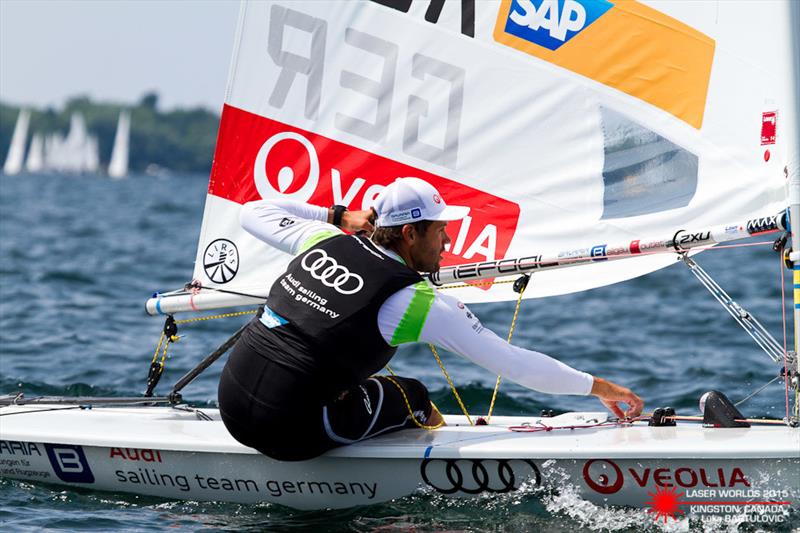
(69, 463)
(551, 23)
(599, 252)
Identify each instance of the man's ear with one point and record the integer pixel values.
(409, 233)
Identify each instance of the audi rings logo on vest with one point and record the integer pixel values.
(282, 161)
(474, 476)
(330, 273)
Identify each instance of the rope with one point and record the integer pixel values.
(541, 426)
(158, 348)
(450, 382)
(475, 284)
(43, 410)
(770, 382)
(212, 317)
(156, 366)
(410, 410)
(510, 334)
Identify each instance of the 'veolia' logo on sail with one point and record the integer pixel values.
(282, 184)
(276, 160)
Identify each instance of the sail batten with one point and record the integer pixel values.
(328, 102)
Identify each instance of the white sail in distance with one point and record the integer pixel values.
(74, 147)
(118, 165)
(16, 150)
(91, 155)
(563, 126)
(35, 160)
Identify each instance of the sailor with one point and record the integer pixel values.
(300, 380)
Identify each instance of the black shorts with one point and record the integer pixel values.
(281, 412)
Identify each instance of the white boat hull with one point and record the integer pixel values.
(172, 453)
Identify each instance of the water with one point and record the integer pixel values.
(80, 255)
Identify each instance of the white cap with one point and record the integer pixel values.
(409, 200)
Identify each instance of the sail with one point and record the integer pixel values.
(75, 145)
(54, 152)
(35, 159)
(565, 125)
(91, 155)
(16, 150)
(118, 166)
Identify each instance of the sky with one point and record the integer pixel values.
(116, 50)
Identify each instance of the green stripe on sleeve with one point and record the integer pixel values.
(410, 326)
(317, 238)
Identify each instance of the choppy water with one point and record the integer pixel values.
(80, 255)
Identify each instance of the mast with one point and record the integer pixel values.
(793, 162)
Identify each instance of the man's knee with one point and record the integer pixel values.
(415, 394)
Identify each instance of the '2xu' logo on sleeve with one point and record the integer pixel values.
(551, 23)
(69, 463)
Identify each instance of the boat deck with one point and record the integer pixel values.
(167, 428)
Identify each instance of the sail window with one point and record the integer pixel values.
(643, 172)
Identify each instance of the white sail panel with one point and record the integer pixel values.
(329, 101)
(16, 150)
(118, 165)
(35, 160)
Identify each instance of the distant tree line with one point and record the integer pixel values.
(180, 140)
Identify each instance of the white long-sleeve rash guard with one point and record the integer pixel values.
(433, 317)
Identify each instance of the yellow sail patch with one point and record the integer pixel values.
(637, 50)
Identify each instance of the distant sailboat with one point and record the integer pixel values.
(118, 166)
(16, 151)
(53, 151)
(77, 153)
(91, 155)
(75, 145)
(35, 160)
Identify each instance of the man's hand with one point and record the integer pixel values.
(356, 221)
(611, 394)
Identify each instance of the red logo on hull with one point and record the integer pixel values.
(136, 454)
(605, 477)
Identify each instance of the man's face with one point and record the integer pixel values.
(426, 250)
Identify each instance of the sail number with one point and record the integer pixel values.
(378, 93)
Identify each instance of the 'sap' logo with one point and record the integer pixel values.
(69, 463)
(551, 23)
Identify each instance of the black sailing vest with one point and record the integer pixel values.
(330, 296)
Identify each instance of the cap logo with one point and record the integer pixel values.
(399, 217)
(437, 199)
(416, 213)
